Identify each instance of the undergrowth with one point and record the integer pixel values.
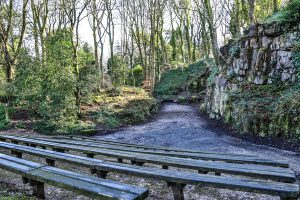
(288, 15)
(178, 80)
(123, 106)
(271, 110)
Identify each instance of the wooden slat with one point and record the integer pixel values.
(273, 188)
(233, 183)
(268, 172)
(132, 155)
(87, 185)
(146, 147)
(139, 150)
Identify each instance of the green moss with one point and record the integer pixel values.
(268, 110)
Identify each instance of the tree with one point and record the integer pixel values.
(11, 40)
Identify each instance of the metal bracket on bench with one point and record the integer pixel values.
(177, 189)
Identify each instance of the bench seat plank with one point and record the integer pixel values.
(233, 183)
(87, 185)
(132, 155)
(77, 183)
(273, 173)
(139, 150)
(155, 148)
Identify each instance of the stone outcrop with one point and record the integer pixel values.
(262, 56)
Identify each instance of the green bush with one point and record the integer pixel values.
(64, 127)
(106, 118)
(177, 80)
(4, 121)
(288, 15)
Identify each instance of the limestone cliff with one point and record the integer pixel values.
(260, 63)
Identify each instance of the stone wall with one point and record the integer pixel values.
(262, 56)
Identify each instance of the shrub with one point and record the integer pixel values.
(177, 80)
(288, 15)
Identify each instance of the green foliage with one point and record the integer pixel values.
(124, 106)
(234, 50)
(288, 15)
(89, 78)
(4, 121)
(270, 110)
(214, 70)
(64, 127)
(118, 70)
(106, 117)
(175, 81)
(136, 76)
(47, 90)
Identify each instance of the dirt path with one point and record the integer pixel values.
(181, 126)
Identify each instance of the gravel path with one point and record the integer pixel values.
(183, 127)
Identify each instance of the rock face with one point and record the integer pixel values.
(262, 56)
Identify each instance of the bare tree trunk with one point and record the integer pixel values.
(251, 11)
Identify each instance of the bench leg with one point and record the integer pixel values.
(177, 189)
(38, 189)
(93, 171)
(102, 174)
(202, 172)
(16, 153)
(120, 160)
(89, 155)
(165, 167)
(25, 180)
(50, 162)
(132, 162)
(59, 150)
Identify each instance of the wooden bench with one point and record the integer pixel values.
(37, 175)
(141, 158)
(192, 155)
(136, 146)
(177, 180)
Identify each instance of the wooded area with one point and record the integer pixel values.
(46, 68)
